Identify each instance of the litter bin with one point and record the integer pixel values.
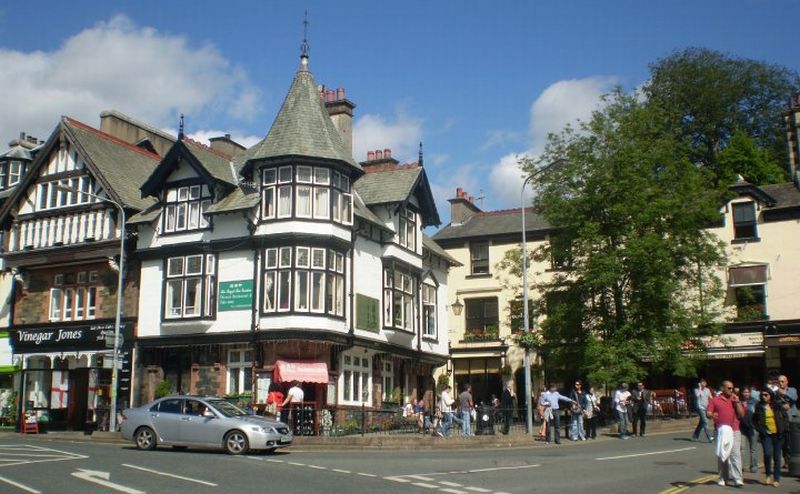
(485, 421)
(794, 443)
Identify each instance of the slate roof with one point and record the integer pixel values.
(123, 166)
(431, 245)
(215, 162)
(362, 211)
(494, 223)
(302, 127)
(18, 152)
(387, 186)
(786, 195)
(147, 216)
(237, 200)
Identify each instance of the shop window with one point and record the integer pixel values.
(185, 208)
(240, 363)
(388, 380)
(744, 220)
(428, 310)
(190, 286)
(356, 379)
(73, 296)
(306, 192)
(479, 257)
(399, 289)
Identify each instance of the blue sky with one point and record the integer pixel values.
(477, 82)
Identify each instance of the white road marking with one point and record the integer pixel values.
(645, 454)
(453, 491)
(317, 467)
(494, 469)
(397, 479)
(477, 489)
(366, 474)
(426, 485)
(420, 477)
(449, 484)
(101, 478)
(275, 461)
(340, 470)
(12, 455)
(296, 464)
(20, 486)
(165, 474)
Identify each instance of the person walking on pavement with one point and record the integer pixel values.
(579, 404)
(466, 406)
(749, 434)
(621, 400)
(446, 408)
(507, 406)
(788, 395)
(552, 399)
(591, 411)
(641, 404)
(770, 419)
(702, 395)
(293, 404)
(544, 412)
(727, 410)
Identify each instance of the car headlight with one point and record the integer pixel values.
(265, 430)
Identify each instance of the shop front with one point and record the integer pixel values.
(65, 375)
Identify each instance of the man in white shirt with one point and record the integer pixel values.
(294, 399)
(621, 399)
(446, 408)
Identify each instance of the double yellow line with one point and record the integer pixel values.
(682, 486)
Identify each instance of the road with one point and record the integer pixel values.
(650, 465)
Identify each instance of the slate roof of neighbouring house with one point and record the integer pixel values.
(430, 244)
(492, 223)
(302, 127)
(786, 195)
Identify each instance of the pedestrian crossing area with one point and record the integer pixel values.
(24, 454)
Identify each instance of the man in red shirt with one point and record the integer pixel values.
(726, 410)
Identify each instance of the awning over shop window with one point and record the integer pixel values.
(306, 372)
(747, 275)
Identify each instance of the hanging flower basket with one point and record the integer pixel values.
(527, 339)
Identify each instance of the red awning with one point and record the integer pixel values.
(306, 372)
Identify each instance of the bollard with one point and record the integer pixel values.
(794, 443)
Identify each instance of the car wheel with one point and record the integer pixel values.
(236, 443)
(145, 438)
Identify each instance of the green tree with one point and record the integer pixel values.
(742, 156)
(632, 206)
(708, 97)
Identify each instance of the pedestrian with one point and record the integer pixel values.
(275, 399)
(576, 411)
(591, 412)
(427, 410)
(466, 407)
(507, 406)
(552, 399)
(641, 398)
(290, 408)
(544, 412)
(446, 408)
(771, 420)
(727, 410)
(621, 400)
(701, 397)
(788, 395)
(748, 428)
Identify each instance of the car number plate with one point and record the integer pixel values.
(286, 439)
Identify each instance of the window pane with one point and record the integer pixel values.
(194, 214)
(387, 307)
(169, 224)
(194, 192)
(284, 201)
(285, 174)
(268, 202)
(268, 176)
(317, 291)
(194, 264)
(69, 300)
(192, 297)
(56, 296)
(284, 289)
(286, 257)
(272, 258)
(301, 290)
(321, 202)
(174, 266)
(302, 257)
(233, 380)
(337, 207)
(304, 174)
(322, 176)
(210, 300)
(347, 385)
(318, 258)
(210, 264)
(173, 298)
(80, 302)
(347, 208)
(183, 193)
(269, 291)
(304, 201)
(203, 208)
(180, 217)
(91, 301)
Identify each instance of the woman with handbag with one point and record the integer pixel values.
(590, 413)
(770, 419)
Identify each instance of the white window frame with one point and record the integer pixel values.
(239, 364)
(177, 278)
(387, 375)
(352, 371)
(185, 208)
(429, 311)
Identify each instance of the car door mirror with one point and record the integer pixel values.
(209, 414)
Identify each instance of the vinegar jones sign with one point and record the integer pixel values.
(235, 295)
(78, 337)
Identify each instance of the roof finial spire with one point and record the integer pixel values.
(180, 128)
(420, 153)
(304, 44)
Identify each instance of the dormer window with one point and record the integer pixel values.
(14, 173)
(185, 208)
(744, 220)
(63, 193)
(306, 192)
(407, 229)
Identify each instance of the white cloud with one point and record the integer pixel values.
(501, 138)
(444, 184)
(560, 103)
(115, 64)
(401, 134)
(204, 136)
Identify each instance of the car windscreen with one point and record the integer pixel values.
(228, 409)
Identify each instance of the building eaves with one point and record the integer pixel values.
(494, 223)
(431, 245)
(237, 200)
(387, 186)
(216, 163)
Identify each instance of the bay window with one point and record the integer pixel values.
(308, 192)
(304, 279)
(190, 286)
(185, 208)
(399, 289)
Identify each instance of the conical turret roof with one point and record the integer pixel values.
(301, 128)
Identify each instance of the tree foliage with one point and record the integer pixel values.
(709, 97)
(632, 205)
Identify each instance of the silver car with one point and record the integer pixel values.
(195, 421)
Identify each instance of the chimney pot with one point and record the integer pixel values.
(387, 153)
(329, 95)
(227, 136)
(458, 191)
(378, 154)
(340, 94)
(370, 155)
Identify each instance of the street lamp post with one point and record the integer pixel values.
(526, 317)
(118, 319)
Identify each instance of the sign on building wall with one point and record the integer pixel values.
(65, 338)
(368, 313)
(235, 295)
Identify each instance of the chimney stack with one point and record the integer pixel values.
(379, 160)
(462, 207)
(340, 110)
